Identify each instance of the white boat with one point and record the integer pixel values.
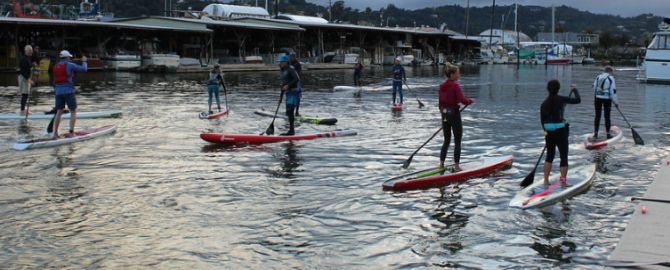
(253, 59)
(47, 116)
(78, 136)
(122, 61)
(160, 62)
(657, 58)
(350, 58)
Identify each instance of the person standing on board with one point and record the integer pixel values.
(291, 87)
(358, 73)
(604, 87)
(213, 82)
(449, 97)
(556, 129)
(398, 78)
(63, 73)
(24, 75)
(298, 69)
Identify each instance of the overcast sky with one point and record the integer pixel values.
(626, 8)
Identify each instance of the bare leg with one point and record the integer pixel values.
(73, 120)
(57, 122)
(564, 175)
(547, 170)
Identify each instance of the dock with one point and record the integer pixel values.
(646, 241)
(260, 67)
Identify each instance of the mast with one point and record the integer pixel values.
(467, 19)
(493, 13)
(553, 28)
(518, 46)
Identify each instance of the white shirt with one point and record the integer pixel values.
(604, 87)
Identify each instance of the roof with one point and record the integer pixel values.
(205, 21)
(126, 24)
(299, 18)
(416, 30)
(232, 11)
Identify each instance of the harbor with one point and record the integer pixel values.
(189, 151)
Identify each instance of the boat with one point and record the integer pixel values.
(303, 119)
(345, 88)
(160, 62)
(48, 115)
(437, 177)
(253, 59)
(93, 62)
(591, 144)
(657, 58)
(231, 139)
(535, 195)
(122, 61)
(204, 115)
(79, 136)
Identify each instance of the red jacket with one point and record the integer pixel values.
(450, 95)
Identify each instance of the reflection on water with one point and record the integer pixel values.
(154, 195)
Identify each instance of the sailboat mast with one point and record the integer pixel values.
(553, 27)
(493, 14)
(467, 19)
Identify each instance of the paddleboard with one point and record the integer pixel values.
(591, 144)
(345, 88)
(396, 106)
(45, 116)
(260, 139)
(78, 136)
(204, 115)
(536, 195)
(436, 177)
(303, 119)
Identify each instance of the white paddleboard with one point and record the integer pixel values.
(79, 136)
(44, 116)
(579, 179)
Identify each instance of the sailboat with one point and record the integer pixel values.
(555, 57)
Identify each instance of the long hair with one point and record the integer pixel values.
(552, 87)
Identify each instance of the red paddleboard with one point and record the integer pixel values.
(204, 115)
(591, 144)
(396, 107)
(434, 177)
(259, 139)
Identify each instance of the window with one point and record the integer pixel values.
(660, 42)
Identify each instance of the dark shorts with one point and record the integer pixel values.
(68, 99)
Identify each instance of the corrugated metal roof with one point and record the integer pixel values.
(118, 24)
(418, 30)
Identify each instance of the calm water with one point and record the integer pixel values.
(155, 195)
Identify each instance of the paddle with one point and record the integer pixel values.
(531, 176)
(636, 137)
(271, 129)
(409, 160)
(225, 93)
(648, 200)
(415, 96)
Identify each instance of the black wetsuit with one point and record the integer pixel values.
(290, 77)
(551, 115)
(24, 70)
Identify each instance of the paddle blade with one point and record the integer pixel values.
(405, 164)
(271, 129)
(636, 137)
(529, 179)
(328, 121)
(420, 103)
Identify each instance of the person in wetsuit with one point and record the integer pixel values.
(398, 78)
(290, 87)
(604, 88)
(556, 128)
(450, 96)
(358, 73)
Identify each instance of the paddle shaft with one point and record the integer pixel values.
(415, 96)
(225, 93)
(636, 136)
(648, 200)
(624, 117)
(409, 160)
(271, 128)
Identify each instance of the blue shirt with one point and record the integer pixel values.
(68, 87)
(398, 72)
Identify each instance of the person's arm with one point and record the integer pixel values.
(543, 118)
(25, 68)
(613, 89)
(79, 68)
(460, 97)
(293, 77)
(404, 78)
(576, 99)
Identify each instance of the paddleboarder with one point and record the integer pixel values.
(358, 73)
(298, 69)
(449, 97)
(63, 73)
(556, 128)
(291, 88)
(398, 78)
(604, 88)
(24, 79)
(215, 78)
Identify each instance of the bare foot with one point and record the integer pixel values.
(457, 168)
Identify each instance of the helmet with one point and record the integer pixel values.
(64, 54)
(283, 58)
(397, 59)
